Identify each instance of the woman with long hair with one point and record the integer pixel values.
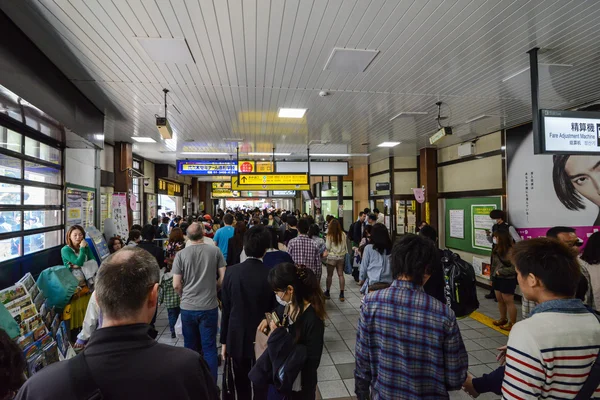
(236, 244)
(275, 255)
(115, 243)
(336, 246)
(375, 268)
(303, 316)
(504, 280)
(591, 258)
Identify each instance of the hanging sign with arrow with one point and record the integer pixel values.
(244, 183)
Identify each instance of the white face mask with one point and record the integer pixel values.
(495, 241)
(281, 301)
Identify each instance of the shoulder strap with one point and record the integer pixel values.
(593, 380)
(82, 381)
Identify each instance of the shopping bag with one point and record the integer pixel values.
(260, 343)
(179, 327)
(58, 285)
(89, 269)
(228, 383)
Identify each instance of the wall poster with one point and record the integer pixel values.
(457, 224)
(482, 223)
(80, 206)
(550, 190)
(151, 210)
(119, 208)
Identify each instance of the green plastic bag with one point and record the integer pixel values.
(8, 323)
(58, 285)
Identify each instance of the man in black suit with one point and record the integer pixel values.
(151, 247)
(246, 297)
(121, 361)
(359, 228)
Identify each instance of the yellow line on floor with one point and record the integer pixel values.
(487, 321)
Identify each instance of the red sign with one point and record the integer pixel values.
(246, 167)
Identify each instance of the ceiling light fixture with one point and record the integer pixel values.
(291, 112)
(269, 154)
(141, 139)
(339, 155)
(540, 64)
(388, 144)
(203, 153)
(99, 136)
(408, 114)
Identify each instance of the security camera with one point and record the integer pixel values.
(146, 182)
(323, 93)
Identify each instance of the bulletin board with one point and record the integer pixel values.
(475, 211)
(80, 207)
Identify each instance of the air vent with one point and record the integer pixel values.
(167, 50)
(350, 60)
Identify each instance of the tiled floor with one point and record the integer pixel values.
(336, 372)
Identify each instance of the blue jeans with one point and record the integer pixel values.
(200, 334)
(173, 314)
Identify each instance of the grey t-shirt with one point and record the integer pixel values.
(198, 265)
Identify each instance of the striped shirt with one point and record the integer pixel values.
(551, 353)
(408, 346)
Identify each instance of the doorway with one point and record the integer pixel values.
(406, 216)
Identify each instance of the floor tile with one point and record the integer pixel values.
(350, 386)
(325, 360)
(333, 336)
(343, 325)
(327, 373)
(479, 370)
(342, 357)
(346, 370)
(333, 389)
(502, 341)
(474, 324)
(470, 345)
(486, 343)
(473, 360)
(472, 334)
(489, 332)
(348, 334)
(351, 343)
(485, 356)
(338, 318)
(336, 346)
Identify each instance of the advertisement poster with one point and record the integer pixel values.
(151, 209)
(457, 224)
(481, 264)
(119, 208)
(80, 207)
(550, 190)
(481, 224)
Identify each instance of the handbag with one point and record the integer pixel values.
(593, 380)
(260, 343)
(58, 285)
(228, 383)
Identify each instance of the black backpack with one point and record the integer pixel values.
(461, 289)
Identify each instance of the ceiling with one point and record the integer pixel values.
(252, 57)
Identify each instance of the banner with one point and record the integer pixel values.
(545, 190)
(119, 207)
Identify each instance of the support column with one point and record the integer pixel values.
(428, 178)
(340, 198)
(195, 197)
(123, 182)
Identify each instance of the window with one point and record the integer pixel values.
(31, 200)
(137, 191)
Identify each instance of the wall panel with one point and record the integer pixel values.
(481, 174)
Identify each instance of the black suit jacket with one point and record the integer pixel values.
(156, 251)
(246, 297)
(358, 231)
(125, 363)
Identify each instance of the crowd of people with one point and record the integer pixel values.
(251, 280)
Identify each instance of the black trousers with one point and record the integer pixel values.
(243, 386)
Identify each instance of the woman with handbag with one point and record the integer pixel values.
(295, 335)
(504, 279)
(375, 267)
(337, 249)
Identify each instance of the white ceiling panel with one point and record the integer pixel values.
(254, 56)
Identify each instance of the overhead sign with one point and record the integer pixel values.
(440, 134)
(205, 167)
(264, 167)
(273, 179)
(382, 186)
(569, 132)
(246, 166)
(221, 192)
(236, 186)
(221, 185)
(282, 193)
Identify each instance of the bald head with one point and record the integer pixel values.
(125, 281)
(195, 232)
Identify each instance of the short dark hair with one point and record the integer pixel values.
(292, 221)
(429, 232)
(367, 210)
(148, 232)
(303, 225)
(380, 238)
(413, 256)
(228, 219)
(184, 227)
(314, 230)
(563, 186)
(376, 210)
(124, 280)
(165, 220)
(372, 217)
(551, 261)
(154, 221)
(591, 253)
(498, 214)
(257, 240)
(136, 227)
(360, 214)
(12, 364)
(274, 238)
(555, 231)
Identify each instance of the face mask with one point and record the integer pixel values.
(495, 241)
(281, 301)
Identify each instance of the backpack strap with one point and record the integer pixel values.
(82, 382)
(593, 380)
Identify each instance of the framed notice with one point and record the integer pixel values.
(80, 205)
(482, 224)
(457, 224)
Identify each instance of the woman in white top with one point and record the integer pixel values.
(336, 255)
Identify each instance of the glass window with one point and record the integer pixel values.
(10, 194)
(10, 221)
(10, 166)
(348, 188)
(41, 173)
(41, 241)
(333, 189)
(42, 151)
(10, 248)
(42, 219)
(42, 196)
(10, 140)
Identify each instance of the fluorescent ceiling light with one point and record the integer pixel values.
(269, 154)
(167, 50)
(203, 153)
(408, 114)
(483, 116)
(539, 65)
(228, 139)
(99, 136)
(141, 139)
(292, 112)
(339, 155)
(388, 144)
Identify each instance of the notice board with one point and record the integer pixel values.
(476, 219)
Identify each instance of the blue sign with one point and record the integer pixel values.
(205, 167)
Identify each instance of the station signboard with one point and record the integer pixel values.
(236, 186)
(273, 179)
(568, 132)
(206, 167)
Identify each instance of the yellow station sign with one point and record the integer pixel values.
(221, 185)
(273, 179)
(236, 186)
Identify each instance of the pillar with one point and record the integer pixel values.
(124, 182)
(340, 198)
(428, 178)
(195, 197)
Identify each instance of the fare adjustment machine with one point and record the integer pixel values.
(97, 243)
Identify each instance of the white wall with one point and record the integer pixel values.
(107, 158)
(79, 167)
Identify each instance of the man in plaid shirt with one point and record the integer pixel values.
(305, 251)
(408, 343)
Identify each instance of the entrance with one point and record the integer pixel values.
(406, 216)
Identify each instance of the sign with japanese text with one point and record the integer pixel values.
(235, 185)
(273, 179)
(204, 167)
(569, 132)
(246, 166)
(221, 185)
